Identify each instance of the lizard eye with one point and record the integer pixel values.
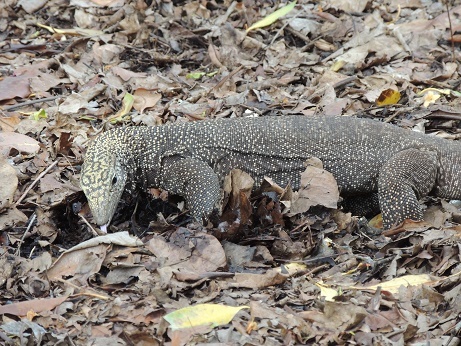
(114, 180)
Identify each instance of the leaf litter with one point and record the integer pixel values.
(309, 272)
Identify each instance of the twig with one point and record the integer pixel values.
(225, 79)
(309, 42)
(31, 102)
(31, 223)
(281, 29)
(344, 82)
(392, 117)
(222, 19)
(35, 182)
(86, 290)
(96, 234)
(451, 33)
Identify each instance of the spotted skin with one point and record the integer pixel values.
(192, 158)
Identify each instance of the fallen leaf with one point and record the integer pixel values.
(388, 97)
(86, 258)
(430, 97)
(40, 114)
(271, 18)
(237, 182)
(8, 183)
(127, 104)
(72, 32)
(11, 87)
(125, 74)
(271, 277)
(393, 285)
(202, 314)
(145, 99)
(30, 6)
(318, 187)
(17, 328)
(195, 75)
(20, 142)
(327, 292)
(36, 305)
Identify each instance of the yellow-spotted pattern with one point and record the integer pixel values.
(192, 158)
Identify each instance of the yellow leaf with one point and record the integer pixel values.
(202, 314)
(440, 91)
(430, 97)
(394, 284)
(338, 65)
(293, 268)
(268, 20)
(388, 97)
(31, 314)
(73, 31)
(127, 104)
(198, 75)
(327, 292)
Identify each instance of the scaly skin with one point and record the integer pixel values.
(191, 159)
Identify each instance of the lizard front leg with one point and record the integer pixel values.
(195, 181)
(405, 178)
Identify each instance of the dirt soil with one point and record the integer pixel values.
(260, 274)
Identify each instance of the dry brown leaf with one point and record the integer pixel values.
(196, 252)
(35, 305)
(237, 182)
(22, 143)
(145, 99)
(11, 87)
(258, 281)
(318, 187)
(85, 259)
(80, 264)
(125, 74)
(8, 183)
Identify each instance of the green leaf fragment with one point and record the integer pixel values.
(195, 75)
(40, 114)
(198, 75)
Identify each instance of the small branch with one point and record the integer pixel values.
(451, 33)
(31, 102)
(344, 82)
(31, 223)
(225, 79)
(95, 233)
(281, 29)
(35, 182)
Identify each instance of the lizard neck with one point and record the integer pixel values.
(141, 154)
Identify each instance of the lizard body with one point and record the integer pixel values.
(192, 158)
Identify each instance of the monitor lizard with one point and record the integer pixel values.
(192, 158)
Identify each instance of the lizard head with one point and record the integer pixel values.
(103, 179)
